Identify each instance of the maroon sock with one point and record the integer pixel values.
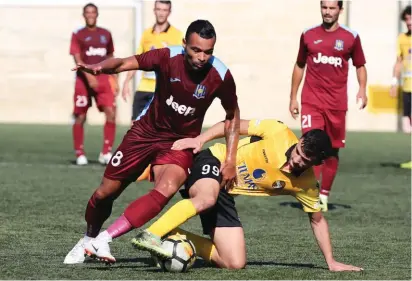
(328, 174)
(145, 208)
(318, 171)
(78, 139)
(109, 133)
(97, 212)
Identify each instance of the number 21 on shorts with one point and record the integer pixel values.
(306, 121)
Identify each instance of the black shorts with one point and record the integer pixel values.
(407, 104)
(140, 100)
(224, 213)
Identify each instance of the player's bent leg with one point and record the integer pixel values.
(230, 247)
(204, 194)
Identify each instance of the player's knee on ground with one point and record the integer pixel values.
(79, 118)
(232, 262)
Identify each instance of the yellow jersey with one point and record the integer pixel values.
(404, 51)
(151, 40)
(259, 160)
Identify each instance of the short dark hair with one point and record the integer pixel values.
(406, 12)
(340, 4)
(202, 27)
(164, 2)
(316, 145)
(90, 5)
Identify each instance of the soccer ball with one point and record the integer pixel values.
(183, 253)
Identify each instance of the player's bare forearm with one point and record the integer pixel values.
(110, 66)
(297, 76)
(362, 76)
(232, 127)
(397, 68)
(321, 231)
(218, 131)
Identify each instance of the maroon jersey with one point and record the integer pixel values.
(182, 98)
(326, 55)
(93, 46)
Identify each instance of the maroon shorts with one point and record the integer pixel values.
(333, 122)
(83, 94)
(137, 151)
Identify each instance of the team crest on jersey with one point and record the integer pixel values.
(259, 174)
(279, 184)
(103, 39)
(339, 45)
(200, 92)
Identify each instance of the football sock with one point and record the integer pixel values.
(78, 139)
(318, 171)
(120, 226)
(109, 133)
(204, 246)
(330, 168)
(178, 214)
(97, 212)
(145, 208)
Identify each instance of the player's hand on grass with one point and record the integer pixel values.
(337, 266)
(89, 68)
(393, 92)
(294, 108)
(362, 98)
(188, 143)
(229, 179)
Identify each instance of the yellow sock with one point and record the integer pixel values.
(204, 246)
(178, 214)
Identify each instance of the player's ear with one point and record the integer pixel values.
(184, 43)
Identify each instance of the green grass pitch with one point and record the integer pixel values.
(43, 198)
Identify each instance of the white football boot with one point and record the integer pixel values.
(76, 255)
(99, 249)
(81, 160)
(323, 202)
(104, 159)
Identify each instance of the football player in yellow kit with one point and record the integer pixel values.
(271, 161)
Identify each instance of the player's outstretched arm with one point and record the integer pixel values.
(215, 132)
(109, 66)
(321, 231)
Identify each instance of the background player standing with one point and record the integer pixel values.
(326, 50)
(403, 66)
(189, 79)
(161, 35)
(89, 45)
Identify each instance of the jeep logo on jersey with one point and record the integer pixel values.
(180, 108)
(328, 60)
(96, 52)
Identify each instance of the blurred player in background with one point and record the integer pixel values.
(189, 79)
(325, 50)
(403, 66)
(271, 162)
(90, 45)
(161, 35)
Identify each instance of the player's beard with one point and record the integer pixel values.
(328, 25)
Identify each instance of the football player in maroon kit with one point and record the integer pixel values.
(188, 79)
(325, 50)
(90, 45)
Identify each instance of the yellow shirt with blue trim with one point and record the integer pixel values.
(404, 51)
(151, 40)
(259, 160)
